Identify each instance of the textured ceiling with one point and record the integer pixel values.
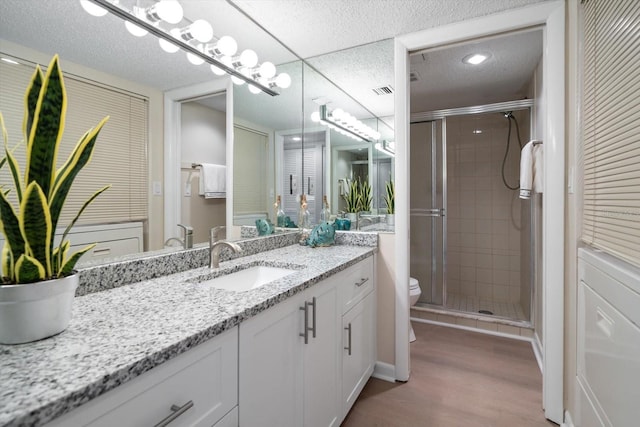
(310, 28)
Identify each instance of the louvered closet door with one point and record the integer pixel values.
(611, 113)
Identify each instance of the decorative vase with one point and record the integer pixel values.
(391, 219)
(33, 311)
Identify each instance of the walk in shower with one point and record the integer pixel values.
(471, 235)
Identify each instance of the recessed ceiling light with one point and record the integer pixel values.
(9, 61)
(296, 138)
(475, 58)
(476, 131)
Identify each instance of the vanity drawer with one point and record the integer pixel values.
(203, 379)
(356, 282)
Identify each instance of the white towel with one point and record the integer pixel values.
(531, 169)
(213, 181)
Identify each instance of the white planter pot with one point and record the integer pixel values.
(353, 217)
(34, 311)
(391, 219)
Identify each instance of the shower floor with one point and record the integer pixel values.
(473, 304)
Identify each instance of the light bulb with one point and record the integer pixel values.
(267, 70)
(283, 80)
(249, 58)
(166, 45)
(135, 30)
(337, 114)
(315, 117)
(227, 46)
(92, 8)
(219, 71)
(376, 135)
(166, 10)
(195, 60)
(201, 30)
(237, 80)
(253, 89)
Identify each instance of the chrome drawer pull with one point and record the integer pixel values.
(348, 347)
(362, 281)
(305, 334)
(177, 411)
(313, 329)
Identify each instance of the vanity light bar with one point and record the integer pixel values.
(126, 16)
(357, 128)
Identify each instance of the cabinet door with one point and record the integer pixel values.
(358, 355)
(321, 357)
(271, 367)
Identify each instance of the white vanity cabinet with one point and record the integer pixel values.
(196, 388)
(286, 382)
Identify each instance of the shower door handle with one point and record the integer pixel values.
(428, 212)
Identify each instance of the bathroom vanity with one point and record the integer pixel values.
(295, 351)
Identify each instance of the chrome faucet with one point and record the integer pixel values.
(216, 246)
(187, 237)
(214, 233)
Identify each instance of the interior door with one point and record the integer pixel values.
(428, 220)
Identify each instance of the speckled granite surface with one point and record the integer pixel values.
(135, 268)
(122, 332)
(382, 227)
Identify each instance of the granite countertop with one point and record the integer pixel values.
(120, 333)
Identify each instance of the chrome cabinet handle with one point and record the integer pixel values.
(305, 334)
(348, 347)
(313, 303)
(177, 411)
(362, 281)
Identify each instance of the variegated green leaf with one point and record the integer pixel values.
(10, 226)
(35, 225)
(80, 156)
(7, 262)
(29, 269)
(60, 254)
(15, 171)
(31, 101)
(47, 129)
(67, 267)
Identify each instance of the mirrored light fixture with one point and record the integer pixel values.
(386, 147)
(345, 124)
(219, 54)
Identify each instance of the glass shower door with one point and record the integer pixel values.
(428, 201)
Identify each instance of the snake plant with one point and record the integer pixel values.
(29, 254)
(366, 198)
(352, 196)
(390, 196)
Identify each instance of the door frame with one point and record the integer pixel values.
(551, 16)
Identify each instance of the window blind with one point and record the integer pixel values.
(120, 154)
(611, 134)
(250, 156)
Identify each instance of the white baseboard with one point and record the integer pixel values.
(384, 371)
(568, 422)
(537, 351)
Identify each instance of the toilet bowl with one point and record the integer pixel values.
(414, 295)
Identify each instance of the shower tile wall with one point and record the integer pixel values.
(483, 225)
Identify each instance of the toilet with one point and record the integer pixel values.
(414, 294)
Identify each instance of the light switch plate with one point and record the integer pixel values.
(157, 188)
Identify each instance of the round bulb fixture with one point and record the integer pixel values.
(253, 89)
(267, 70)
(236, 80)
(195, 60)
(376, 135)
(283, 80)
(227, 46)
(219, 71)
(337, 114)
(315, 117)
(169, 11)
(201, 30)
(249, 58)
(135, 30)
(92, 8)
(475, 58)
(167, 46)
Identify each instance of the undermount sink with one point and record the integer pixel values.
(248, 278)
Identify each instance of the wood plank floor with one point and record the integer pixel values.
(458, 378)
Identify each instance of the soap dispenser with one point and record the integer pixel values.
(280, 215)
(303, 213)
(325, 213)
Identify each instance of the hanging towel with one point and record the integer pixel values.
(213, 180)
(531, 169)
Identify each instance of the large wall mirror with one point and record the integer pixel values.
(278, 149)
